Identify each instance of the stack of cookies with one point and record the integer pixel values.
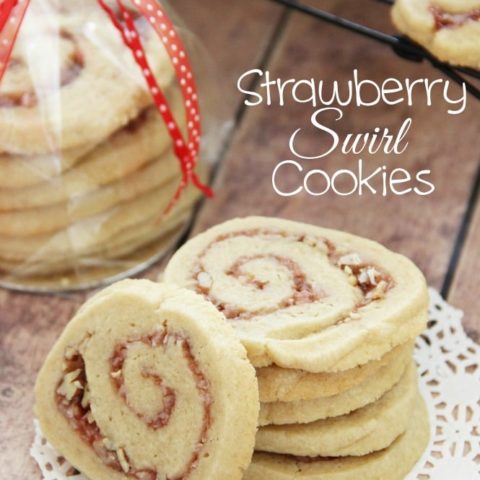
(151, 381)
(329, 321)
(86, 162)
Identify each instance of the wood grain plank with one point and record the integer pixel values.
(464, 292)
(233, 37)
(423, 228)
(29, 324)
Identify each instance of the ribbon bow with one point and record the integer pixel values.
(12, 13)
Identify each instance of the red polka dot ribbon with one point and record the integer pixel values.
(186, 149)
(11, 17)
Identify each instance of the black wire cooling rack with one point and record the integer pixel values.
(400, 44)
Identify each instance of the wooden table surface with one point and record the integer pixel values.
(441, 232)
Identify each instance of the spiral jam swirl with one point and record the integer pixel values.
(73, 400)
(444, 19)
(372, 282)
(20, 92)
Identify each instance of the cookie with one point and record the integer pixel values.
(133, 388)
(90, 272)
(154, 175)
(91, 88)
(19, 171)
(449, 29)
(287, 385)
(363, 431)
(117, 252)
(27, 182)
(129, 223)
(304, 297)
(364, 393)
(392, 463)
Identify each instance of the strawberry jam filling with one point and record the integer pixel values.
(162, 418)
(444, 19)
(302, 291)
(371, 280)
(69, 72)
(72, 397)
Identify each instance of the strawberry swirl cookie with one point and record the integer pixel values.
(134, 388)
(450, 29)
(365, 392)
(304, 297)
(82, 76)
(279, 386)
(37, 181)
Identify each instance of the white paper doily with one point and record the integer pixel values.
(449, 372)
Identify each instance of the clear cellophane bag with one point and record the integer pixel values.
(101, 162)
